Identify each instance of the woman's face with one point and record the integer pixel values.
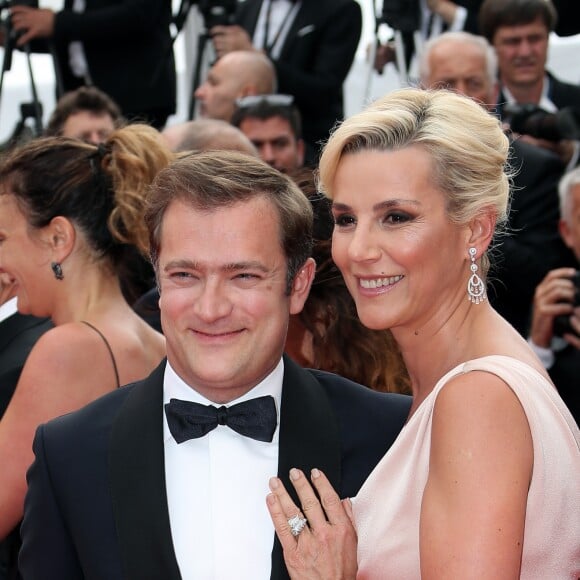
(402, 259)
(23, 258)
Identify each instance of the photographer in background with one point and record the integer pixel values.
(123, 47)
(312, 46)
(519, 31)
(555, 330)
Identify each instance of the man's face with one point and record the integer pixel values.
(88, 126)
(275, 141)
(217, 95)
(461, 66)
(522, 51)
(224, 306)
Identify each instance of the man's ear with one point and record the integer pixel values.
(248, 90)
(301, 286)
(60, 234)
(566, 233)
(300, 151)
(481, 230)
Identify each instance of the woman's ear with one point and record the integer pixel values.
(60, 234)
(482, 229)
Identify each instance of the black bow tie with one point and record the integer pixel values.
(255, 418)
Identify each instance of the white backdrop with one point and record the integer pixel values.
(361, 85)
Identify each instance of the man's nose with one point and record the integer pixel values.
(213, 302)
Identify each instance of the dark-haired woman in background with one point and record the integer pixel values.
(70, 213)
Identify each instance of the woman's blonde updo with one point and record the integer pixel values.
(466, 143)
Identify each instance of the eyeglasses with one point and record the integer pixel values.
(273, 100)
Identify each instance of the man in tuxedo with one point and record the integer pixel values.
(123, 47)
(18, 333)
(311, 44)
(150, 482)
(467, 63)
(519, 31)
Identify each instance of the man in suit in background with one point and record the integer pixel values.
(555, 329)
(123, 47)
(312, 45)
(519, 31)
(467, 63)
(151, 482)
(18, 334)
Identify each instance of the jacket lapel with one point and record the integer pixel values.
(138, 492)
(309, 437)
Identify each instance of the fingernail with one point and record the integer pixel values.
(274, 483)
(315, 473)
(294, 474)
(270, 499)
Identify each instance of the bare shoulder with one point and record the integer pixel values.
(62, 361)
(479, 411)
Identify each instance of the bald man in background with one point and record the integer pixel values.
(237, 74)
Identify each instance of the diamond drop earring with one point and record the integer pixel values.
(475, 285)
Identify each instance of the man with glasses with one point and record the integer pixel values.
(272, 123)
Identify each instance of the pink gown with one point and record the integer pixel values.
(387, 507)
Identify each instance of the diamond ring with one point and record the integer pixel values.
(297, 524)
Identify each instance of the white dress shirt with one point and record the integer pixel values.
(76, 52)
(281, 15)
(8, 308)
(216, 492)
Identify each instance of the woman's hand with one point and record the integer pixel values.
(325, 549)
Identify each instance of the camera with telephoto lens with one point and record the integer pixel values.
(217, 12)
(562, 324)
(531, 120)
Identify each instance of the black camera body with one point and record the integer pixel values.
(562, 323)
(531, 120)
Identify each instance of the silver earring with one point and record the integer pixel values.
(57, 270)
(475, 286)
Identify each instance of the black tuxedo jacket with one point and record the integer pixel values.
(18, 333)
(565, 372)
(315, 59)
(532, 246)
(96, 507)
(129, 51)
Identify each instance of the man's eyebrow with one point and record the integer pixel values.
(247, 265)
(228, 267)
